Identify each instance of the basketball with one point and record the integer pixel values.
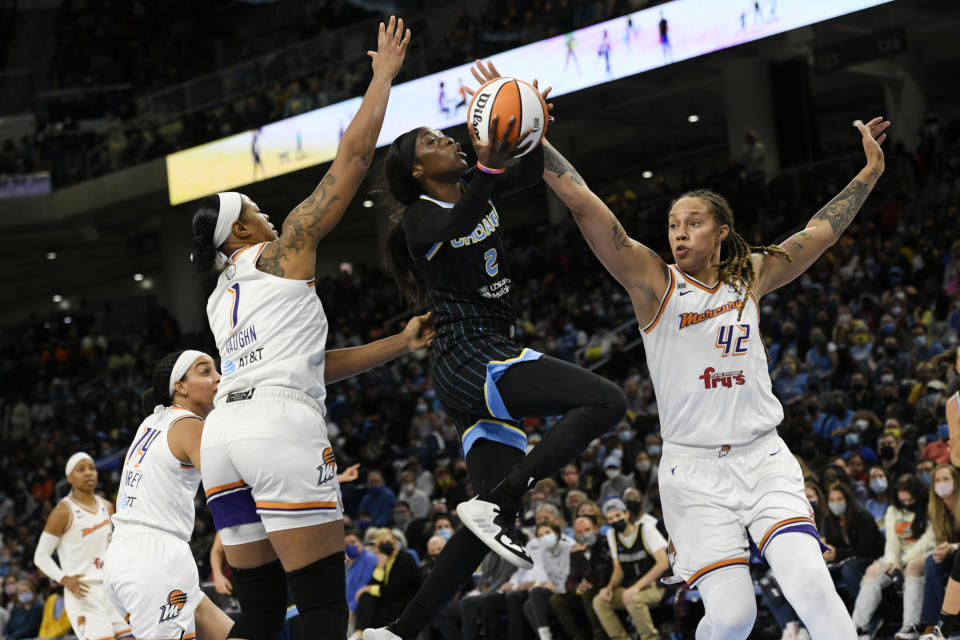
(507, 97)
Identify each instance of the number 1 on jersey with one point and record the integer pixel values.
(490, 257)
(730, 345)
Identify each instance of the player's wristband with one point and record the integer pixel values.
(489, 170)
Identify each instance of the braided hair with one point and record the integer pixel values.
(157, 392)
(735, 252)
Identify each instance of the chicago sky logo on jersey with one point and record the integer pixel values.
(175, 601)
(726, 379)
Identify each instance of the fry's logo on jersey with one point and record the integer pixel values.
(174, 606)
(727, 378)
(328, 470)
(687, 319)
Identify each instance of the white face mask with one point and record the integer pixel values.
(838, 508)
(943, 489)
(408, 487)
(644, 466)
(613, 473)
(548, 540)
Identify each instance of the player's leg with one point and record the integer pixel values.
(950, 609)
(798, 566)
(531, 385)
(730, 606)
(211, 622)
(487, 462)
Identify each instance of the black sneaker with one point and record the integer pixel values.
(492, 520)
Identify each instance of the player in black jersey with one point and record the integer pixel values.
(447, 250)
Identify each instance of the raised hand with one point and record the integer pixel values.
(872, 137)
(497, 150)
(485, 72)
(392, 44)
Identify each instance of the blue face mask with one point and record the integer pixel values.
(352, 551)
(625, 436)
(879, 485)
(654, 450)
(445, 533)
(887, 328)
(852, 439)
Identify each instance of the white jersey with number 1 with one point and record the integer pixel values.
(270, 331)
(709, 369)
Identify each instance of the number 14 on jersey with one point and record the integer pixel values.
(732, 339)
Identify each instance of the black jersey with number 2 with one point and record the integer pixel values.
(460, 250)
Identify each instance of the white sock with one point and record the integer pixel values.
(544, 633)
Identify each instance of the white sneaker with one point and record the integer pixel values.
(379, 634)
(483, 519)
(936, 634)
(803, 634)
(908, 632)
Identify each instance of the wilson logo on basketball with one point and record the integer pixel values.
(479, 103)
(174, 606)
(725, 379)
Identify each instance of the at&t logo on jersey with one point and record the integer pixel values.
(174, 606)
(727, 378)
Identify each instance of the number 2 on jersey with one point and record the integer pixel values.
(490, 257)
(730, 345)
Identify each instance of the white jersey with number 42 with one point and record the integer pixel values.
(709, 369)
(270, 331)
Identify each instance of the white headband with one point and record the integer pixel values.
(75, 459)
(230, 205)
(182, 364)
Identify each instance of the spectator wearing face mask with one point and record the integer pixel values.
(396, 579)
(908, 537)
(851, 536)
(616, 482)
(591, 565)
(925, 472)
(418, 501)
(791, 383)
(821, 361)
(359, 565)
(25, 617)
(945, 520)
(639, 554)
(923, 347)
(654, 448)
(896, 458)
(555, 567)
(378, 501)
(838, 419)
(818, 502)
(878, 495)
(891, 356)
(857, 473)
(855, 439)
(644, 471)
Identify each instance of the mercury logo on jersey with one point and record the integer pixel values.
(687, 319)
(328, 469)
(727, 378)
(175, 601)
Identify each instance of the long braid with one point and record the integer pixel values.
(735, 252)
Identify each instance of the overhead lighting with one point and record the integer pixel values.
(67, 320)
(692, 118)
(147, 283)
(647, 174)
(51, 255)
(57, 298)
(138, 277)
(367, 204)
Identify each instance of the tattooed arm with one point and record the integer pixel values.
(293, 254)
(639, 269)
(826, 226)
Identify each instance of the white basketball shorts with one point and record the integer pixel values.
(93, 617)
(267, 465)
(716, 501)
(152, 576)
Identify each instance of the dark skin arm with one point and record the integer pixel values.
(293, 254)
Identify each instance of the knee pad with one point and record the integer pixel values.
(319, 591)
(262, 594)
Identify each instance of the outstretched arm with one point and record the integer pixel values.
(638, 268)
(293, 254)
(826, 226)
(345, 363)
